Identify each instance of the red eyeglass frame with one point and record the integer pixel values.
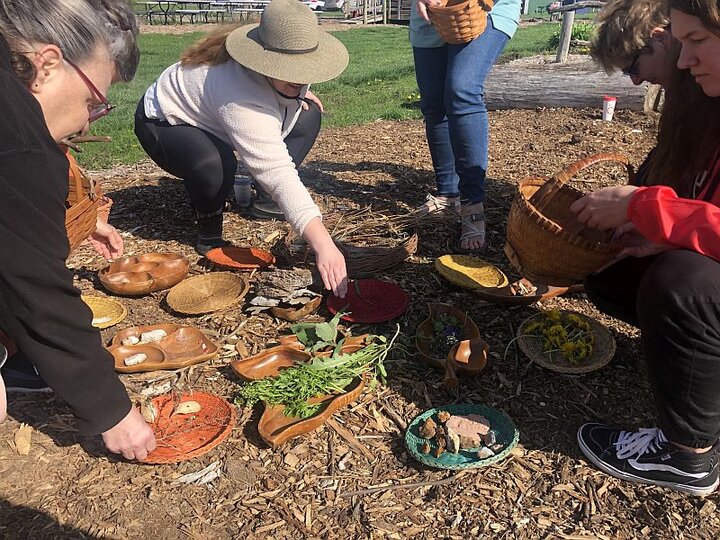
(105, 106)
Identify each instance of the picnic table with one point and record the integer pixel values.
(196, 9)
(164, 7)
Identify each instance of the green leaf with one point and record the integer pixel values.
(326, 331)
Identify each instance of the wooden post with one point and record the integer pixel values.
(385, 11)
(565, 36)
(365, 11)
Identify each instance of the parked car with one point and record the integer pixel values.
(315, 5)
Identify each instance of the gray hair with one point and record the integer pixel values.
(77, 27)
(122, 28)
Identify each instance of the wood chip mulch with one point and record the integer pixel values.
(353, 478)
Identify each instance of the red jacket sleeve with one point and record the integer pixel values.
(664, 218)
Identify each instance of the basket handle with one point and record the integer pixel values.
(542, 196)
(78, 177)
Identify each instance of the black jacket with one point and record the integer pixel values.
(40, 309)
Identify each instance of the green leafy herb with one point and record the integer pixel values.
(294, 386)
(318, 336)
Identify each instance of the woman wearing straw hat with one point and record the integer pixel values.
(451, 80)
(245, 90)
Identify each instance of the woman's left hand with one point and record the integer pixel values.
(106, 241)
(605, 208)
(316, 100)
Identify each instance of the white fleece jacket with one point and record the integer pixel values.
(241, 108)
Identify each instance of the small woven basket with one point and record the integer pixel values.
(544, 241)
(85, 204)
(458, 22)
(185, 436)
(106, 311)
(507, 435)
(603, 348)
(207, 292)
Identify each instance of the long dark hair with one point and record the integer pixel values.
(708, 11)
(688, 135)
(689, 132)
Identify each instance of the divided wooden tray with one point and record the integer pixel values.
(274, 427)
(183, 346)
(143, 274)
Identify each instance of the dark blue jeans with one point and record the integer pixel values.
(451, 80)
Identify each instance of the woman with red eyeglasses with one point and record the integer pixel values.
(55, 69)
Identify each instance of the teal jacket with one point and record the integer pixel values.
(505, 16)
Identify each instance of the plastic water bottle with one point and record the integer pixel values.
(243, 189)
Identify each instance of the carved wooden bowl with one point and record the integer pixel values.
(143, 274)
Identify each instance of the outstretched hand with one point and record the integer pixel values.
(106, 241)
(132, 437)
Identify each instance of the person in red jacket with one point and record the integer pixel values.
(668, 284)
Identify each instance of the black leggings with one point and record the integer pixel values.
(205, 163)
(674, 298)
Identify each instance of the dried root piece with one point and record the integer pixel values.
(425, 448)
(152, 336)
(148, 410)
(443, 416)
(131, 340)
(187, 407)
(135, 359)
(428, 429)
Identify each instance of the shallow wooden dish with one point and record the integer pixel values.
(295, 314)
(182, 347)
(469, 332)
(143, 274)
(274, 427)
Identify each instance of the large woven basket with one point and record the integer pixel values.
(85, 203)
(458, 21)
(544, 241)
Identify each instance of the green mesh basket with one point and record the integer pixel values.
(507, 435)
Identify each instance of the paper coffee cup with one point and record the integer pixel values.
(609, 103)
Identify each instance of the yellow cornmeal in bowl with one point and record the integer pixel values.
(470, 272)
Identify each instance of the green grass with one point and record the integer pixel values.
(379, 83)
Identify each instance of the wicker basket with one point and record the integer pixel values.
(85, 203)
(459, 22)
(207, 292)
(544, 241)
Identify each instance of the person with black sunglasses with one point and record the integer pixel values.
(666, 280)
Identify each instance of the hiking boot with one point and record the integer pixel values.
(210, 227)
(646, 456)
(20, 375)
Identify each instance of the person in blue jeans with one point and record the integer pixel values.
(451, 79)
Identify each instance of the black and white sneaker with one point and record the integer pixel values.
(646, 456)
(21, 376)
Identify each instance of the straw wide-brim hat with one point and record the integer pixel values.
(288, 45)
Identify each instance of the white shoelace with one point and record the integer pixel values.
(637, 443)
